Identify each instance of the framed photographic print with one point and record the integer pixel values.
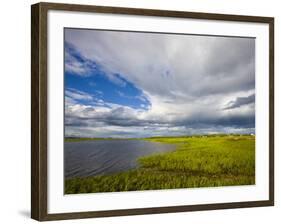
(140, 111)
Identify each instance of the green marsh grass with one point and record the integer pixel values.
(198, 161)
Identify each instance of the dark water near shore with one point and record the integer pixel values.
(91, 158)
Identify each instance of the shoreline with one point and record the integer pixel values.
(77, 139)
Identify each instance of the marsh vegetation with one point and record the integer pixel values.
(197, 161)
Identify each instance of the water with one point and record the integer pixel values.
(91, 158)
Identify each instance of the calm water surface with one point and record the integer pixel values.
(91, 158)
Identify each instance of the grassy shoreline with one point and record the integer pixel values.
(198, 161)
(158, 138)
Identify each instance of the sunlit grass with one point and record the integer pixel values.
(198, 161)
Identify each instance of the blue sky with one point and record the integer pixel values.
(125, 84)
(95, 82)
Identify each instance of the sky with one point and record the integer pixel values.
(136, 84)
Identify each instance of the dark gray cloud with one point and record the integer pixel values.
(125, 119)
(240, 101)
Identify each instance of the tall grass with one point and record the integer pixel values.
(201, 161)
